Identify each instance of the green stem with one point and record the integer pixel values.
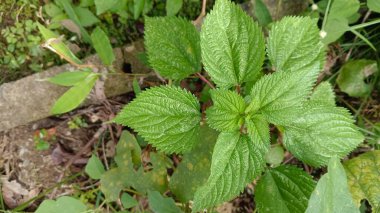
(367, 24)
(354, 110)
(326, 13)
(2, 206)
(363, 38)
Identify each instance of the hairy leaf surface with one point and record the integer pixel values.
(167, 117)
(227, 112)
(363, 173)
(284, 189)
(323, 94)
(173, 47)
(331, 193)
(236, 161)
(294, 44)
(321, 132)
(278, 95)
(232, 45)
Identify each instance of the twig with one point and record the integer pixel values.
(82, 151)
(205, 80)
(198, 21)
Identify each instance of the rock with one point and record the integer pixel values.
(30, 98)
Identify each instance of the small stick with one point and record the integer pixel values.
(205, 80)
(82, 151)
(198, 21)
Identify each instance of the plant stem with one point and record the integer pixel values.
(367, 24)
(238, 89)
(363, 38)
(354, 110)
(326, 13)
(205, 80)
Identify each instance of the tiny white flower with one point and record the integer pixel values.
(323, 34)
(314, 7)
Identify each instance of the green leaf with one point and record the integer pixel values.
(62, 205)
(258, 129)
(323, 94)
(86, 3)
(343, 8)
(136, 87)
(284, 189)
(67, 6)
(227, 112)
(232, 45)
(173, 7)
(338, 18)
(194, 168)
(278, 95)
(334, 29)
(102, 46)
(85, 16)
(94, 167)
(294, 44)
(128, 148)
(155, 179)
(52, 10)
(321, 132)
(236, 161)
(261, 12)
(168, 117)
(112, 182)
(104, 5)
(160, 204)
(363, 178)
(129, 172)
(181, 56)
(58, 46)
(128, 201)
(69, 78)
(73, 97)
(138, 7)
(352, 75)
(128, 156)
(275, 156)
(374, 5)
(331, 193)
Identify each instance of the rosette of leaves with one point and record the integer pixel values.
(232, 48)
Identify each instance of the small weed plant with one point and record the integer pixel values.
(231, 47)
(249, 104)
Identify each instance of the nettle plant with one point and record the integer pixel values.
(231, 47)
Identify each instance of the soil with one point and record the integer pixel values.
(27, 172)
